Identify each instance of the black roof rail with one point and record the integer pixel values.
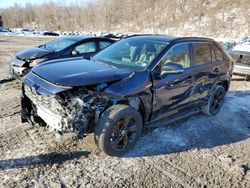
(145, 34)
(193, 38)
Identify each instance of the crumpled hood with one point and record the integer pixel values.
(33, 53)
(79, 72)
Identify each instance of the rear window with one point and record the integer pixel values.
(218, 53)
(202, 53)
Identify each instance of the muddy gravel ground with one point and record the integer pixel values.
(199, 151)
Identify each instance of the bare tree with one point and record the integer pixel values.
(205, 16)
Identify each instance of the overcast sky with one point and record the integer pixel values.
(8, 3)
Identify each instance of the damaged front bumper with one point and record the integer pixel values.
(35, 107)
(17, 68)
(63, 109)
(38, 103)
(18, 72)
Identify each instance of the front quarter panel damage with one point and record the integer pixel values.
(136, 90)
(76, 109)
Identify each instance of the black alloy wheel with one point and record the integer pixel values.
(123, 133)
(118, 129)
(215, 101)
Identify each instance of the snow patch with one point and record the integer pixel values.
(230, 125)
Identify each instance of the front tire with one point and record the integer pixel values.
(215, 101)
(118, 130)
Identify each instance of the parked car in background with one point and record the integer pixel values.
(241, 54)
(50, 33)
(4, 30)
(133, 82)
(244, 40)
(112, 35)
(26, 31)
(227, 45)
(65, 47)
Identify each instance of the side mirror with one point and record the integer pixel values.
(172, 68)
(74, 53)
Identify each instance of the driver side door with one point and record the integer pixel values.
(173, 91)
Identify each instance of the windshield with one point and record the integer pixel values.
(135, 53)
(59, 44)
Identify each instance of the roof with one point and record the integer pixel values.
(193, 39)
(158, 38)
(77, 37)
(165, 38)
(82, 37)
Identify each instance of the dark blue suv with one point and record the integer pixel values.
(135, 81)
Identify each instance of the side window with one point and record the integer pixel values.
(86, 47)
(218, 53)
(178, 54)
(202, 54)
(104, 44)
(213, 54)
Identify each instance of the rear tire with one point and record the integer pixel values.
(118, 130)
(215, 101)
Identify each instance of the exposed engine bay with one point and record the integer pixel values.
(71, 111)
(77, 109)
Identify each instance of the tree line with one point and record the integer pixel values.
(180, 17)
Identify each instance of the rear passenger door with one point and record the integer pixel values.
(206, 68)
(221, 63)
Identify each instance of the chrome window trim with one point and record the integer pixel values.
(210, 43)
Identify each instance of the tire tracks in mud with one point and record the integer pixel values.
(9, 114)
(10, 103)
(11, 111)
(6, 80)
(231, 166)
(176, 174)
(10, 83)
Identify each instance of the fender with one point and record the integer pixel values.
(137, 85)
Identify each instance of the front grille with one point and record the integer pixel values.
(49, 103)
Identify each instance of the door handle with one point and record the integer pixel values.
(189, 79)
(216, 70)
